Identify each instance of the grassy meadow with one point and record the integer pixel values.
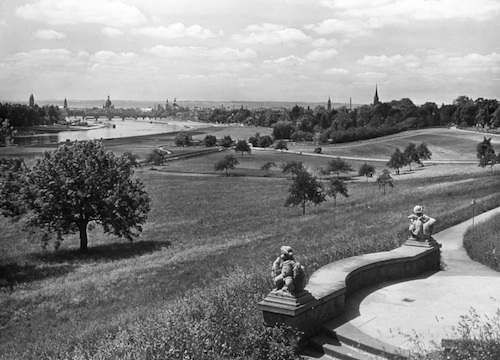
(187, 288)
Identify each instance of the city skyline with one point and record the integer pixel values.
(425, 50)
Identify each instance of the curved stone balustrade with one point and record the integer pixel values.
(330, 286)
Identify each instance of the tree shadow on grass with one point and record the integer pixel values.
(101, 253)
(59, 263)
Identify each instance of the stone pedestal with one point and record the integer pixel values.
(286, 304)
(429, 243)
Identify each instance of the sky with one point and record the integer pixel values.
(252, 50)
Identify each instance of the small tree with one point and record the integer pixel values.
(486, 153)
(242, 146)
(6, 132)
(337, 187)
(79, 184)
(229, 162)
(292, 167)
(226, 141)
(385, 179)
(305, 189)
(338, 166)
(183, 139)
(267, 166)
(366, 170)
(264, 141)
(12, 183)
(132, 158)
(397, 160)
(423, 153)
(156, 157)
(411, 154)
(281, 145)
(210, 141)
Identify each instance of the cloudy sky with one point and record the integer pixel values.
(256, 50)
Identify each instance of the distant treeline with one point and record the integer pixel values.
(299, 124)
(24, 115)
(368, 121)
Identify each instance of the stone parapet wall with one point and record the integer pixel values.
(329, 287)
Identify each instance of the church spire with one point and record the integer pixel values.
(375, 99)
(329, 103)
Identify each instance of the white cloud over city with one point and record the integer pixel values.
(426, 50)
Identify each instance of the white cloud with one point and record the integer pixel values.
(337, 71)
(351, 28)
(112, 32)
(105, 12)
(174, 31)
(49, 35)
(113, 57)
(372, 75)
(203, 52)
(291, 60)
(321, 54)
(407, 61)
(272, 34)
(440, 65)
(388, 11)
(322, 42)
(359, 18)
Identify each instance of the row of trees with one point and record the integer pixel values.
(411, 154)
(306, 188)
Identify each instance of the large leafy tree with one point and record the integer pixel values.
(305, 189)
(397, 160)
(79, 184)
(486, 153)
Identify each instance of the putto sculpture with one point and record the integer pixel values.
(288, 274)
(421, 225)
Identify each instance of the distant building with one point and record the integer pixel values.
(375, 99)
(32, 100)
(329, 103)
(108, 104)
(65, 104)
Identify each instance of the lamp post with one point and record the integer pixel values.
(473, 203)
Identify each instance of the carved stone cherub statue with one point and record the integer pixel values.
(421, 225)
(288, 274)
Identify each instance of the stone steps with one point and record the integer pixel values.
(341, 340)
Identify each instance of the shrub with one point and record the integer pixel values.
(318, 150)
(482, 242)
(156, 157)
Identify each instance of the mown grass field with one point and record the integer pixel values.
(202, 261)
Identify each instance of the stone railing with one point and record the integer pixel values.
(329, 288)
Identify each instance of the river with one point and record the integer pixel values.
(110, 129)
